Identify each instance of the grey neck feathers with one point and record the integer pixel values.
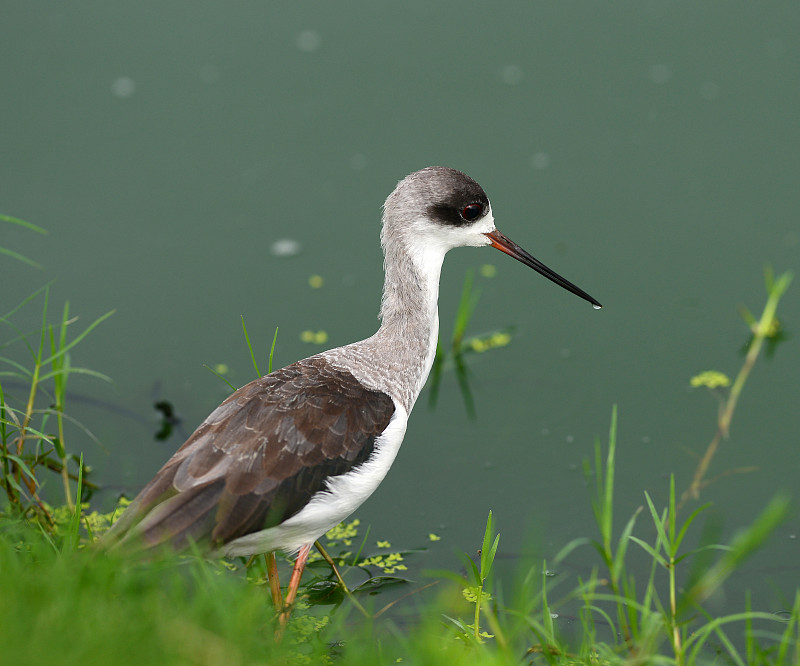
(398, 357)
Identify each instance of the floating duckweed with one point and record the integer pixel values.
(434, 537)
(501, 339)
(471, 594)
(315, 281)
(481, 635)
(314, 337)
(710, 378)
(488, 270)
(96, 522)
(303, 627)
(343, 531)
(383, 544)
(481, 344)
(389, 563)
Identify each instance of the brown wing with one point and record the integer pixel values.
(259, 457)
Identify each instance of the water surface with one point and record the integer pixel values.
(648, 151)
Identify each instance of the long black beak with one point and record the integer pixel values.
(508, 246)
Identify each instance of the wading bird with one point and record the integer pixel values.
(292, 454)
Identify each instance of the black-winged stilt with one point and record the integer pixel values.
(290, 455)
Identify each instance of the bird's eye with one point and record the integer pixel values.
(472, 212)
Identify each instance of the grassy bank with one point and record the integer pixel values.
(65, 600)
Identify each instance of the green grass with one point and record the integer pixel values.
(25, 225)
(83, 605)
(30, 443)
(65, 600)
(88, 606)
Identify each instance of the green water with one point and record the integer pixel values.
(647, 151)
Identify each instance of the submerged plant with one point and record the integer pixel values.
(461, 346)
(765, 329)
(25, 225)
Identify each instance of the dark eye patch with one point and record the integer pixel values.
(460, 201)
(472, 212)
(457, 214)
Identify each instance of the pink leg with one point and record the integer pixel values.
(294, 584)
(274, 583)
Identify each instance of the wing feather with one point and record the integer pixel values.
(259, 457)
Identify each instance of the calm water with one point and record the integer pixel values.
(648, 151)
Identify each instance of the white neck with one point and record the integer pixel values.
(398, 357)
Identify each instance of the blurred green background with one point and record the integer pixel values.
(648, 151)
